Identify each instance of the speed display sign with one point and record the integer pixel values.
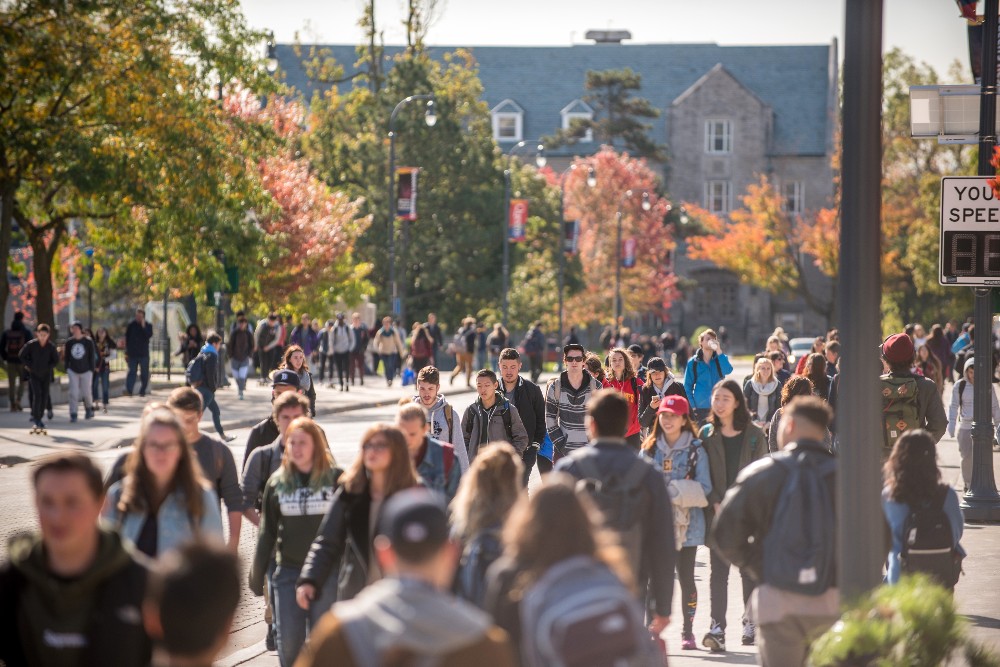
(970, 232)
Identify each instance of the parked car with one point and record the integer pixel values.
(799, 347)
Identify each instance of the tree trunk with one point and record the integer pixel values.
(41, 262)
(6, 229)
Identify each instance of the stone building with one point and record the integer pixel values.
(728, 114)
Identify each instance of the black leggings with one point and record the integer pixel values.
(719, 589)
(689, 592)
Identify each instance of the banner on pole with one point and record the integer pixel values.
(517, 219)
(406, 193)
(628, 253)
(571, 236)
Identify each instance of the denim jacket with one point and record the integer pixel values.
(680, 456)
(432, 469)
(173, 524)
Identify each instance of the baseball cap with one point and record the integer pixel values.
(656, 364)
(415, 523)
(285, 376)
(674, 404)
(573, 346)
(76, 323)
(897, 348)
(635, 349)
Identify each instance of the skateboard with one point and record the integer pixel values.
(38, 430)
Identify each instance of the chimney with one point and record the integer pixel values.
(608, 36)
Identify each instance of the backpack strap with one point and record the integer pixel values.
(448, 458)
(449, 419)
(961, 390)
(507, 425)
(718, 366)
(635, 389)
(692, 461)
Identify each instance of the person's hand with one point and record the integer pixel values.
(659, 624)
(655, 402)
(304, 595)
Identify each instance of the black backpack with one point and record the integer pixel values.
(15, 341)
(928, 543)
(800, 547)
(619, 498)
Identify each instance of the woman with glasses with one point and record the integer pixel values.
(345, 536)
(163, 500)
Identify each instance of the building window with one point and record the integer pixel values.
(794, 197)
(508, 121)
(716, 301)
(578, 109)
(718, 137)
(717, 196)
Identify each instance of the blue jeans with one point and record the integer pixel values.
(294, 622)
(240, 371)
(102, 385)
(389, 366)
(208, 403)
(141, 363)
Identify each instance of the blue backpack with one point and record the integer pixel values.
(800, 548)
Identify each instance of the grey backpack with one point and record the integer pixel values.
(578, 614)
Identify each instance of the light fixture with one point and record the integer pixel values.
(684, 216)
(540, 159)
(591, 177)
(430, 116)
(271, 62)
(646, 204)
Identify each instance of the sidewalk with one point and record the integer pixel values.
(120, 426)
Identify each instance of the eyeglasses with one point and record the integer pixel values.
(574, 360)
(377, 446)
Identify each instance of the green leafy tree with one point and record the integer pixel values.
(618, 115)
(107, 116)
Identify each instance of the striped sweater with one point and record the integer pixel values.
(565, 408)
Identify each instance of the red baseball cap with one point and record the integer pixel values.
(897, 348)
(674, 404)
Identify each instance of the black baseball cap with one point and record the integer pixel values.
(656, 364)
(285, 376)
(635, 349)
(573, 346)
(416, 524)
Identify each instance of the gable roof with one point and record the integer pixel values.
(796, 82)
(718, 70)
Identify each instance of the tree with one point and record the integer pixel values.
(763, 244)
(106, 118)
(617, 114)
(648, 287)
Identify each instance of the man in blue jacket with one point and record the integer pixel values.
(704, 370)
(434, 461)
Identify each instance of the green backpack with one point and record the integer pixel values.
(900, 411)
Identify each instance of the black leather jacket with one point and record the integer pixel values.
(749, 504)
(342, 542)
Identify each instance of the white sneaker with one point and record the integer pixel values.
(749, 633)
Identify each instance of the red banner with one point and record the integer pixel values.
(406, 193)
(517, 219)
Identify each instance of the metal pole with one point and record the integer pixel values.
(982, 503)
(618, 268)
(391, 226)
(861, 551)
(506, 243)
(562, 265)
(166, 333)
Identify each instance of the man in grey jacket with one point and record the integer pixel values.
(492, 418)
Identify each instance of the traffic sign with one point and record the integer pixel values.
(970, 232)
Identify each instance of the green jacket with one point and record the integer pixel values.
(754, 447)
(291, 513)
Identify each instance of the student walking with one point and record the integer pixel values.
(106, 351)
(623, 379)
(80, 358)
(39, 357)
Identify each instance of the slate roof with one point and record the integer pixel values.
(795, 81)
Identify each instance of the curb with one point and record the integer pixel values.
(243, 655)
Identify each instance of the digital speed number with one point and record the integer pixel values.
(970, 232)
(972, 254)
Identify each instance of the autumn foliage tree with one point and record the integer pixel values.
(649, 287)
(770, 248)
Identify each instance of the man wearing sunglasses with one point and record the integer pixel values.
(566, 399)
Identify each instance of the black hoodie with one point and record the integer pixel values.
(93, 619)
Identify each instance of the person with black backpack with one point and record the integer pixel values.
(704, 370)
(923, 514)
(492, 418)
(11, 342)
(632, 498)
(778, 524)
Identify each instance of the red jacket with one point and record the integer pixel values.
(631, 393)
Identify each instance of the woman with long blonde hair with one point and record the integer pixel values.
(485, 497)
(163, 500)
(296, 498)
(383, 468)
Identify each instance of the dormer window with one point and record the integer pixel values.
(578, 109)
(508, 121)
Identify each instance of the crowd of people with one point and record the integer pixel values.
(427, 545)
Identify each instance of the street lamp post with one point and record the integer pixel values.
(540, 161)
(430, 117)
(591, 182)
(646, 206)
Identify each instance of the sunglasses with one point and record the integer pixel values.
(375, 446)
(574, 359)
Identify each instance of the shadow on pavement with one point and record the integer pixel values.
(984, 622)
